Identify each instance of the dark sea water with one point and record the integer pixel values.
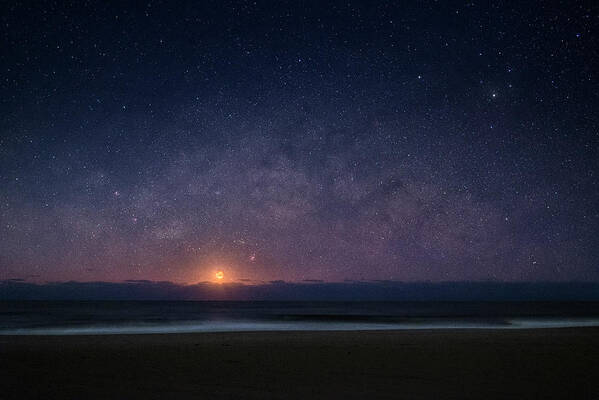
(124, 317)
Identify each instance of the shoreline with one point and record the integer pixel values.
(187, 327)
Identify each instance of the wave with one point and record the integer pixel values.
(264, 326)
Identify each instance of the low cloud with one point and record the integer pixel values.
(12, 289)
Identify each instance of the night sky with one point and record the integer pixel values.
(294, 141)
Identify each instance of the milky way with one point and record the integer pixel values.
(347, 141)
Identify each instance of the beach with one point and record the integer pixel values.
(417, 364)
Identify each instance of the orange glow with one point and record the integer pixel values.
(220, 275)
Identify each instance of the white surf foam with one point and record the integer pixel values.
(254, 326)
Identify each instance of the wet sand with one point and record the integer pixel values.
(442, 364)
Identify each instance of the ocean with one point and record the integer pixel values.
(146, 317)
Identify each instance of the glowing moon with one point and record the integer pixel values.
(220, 275)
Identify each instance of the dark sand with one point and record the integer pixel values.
(459, 364)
